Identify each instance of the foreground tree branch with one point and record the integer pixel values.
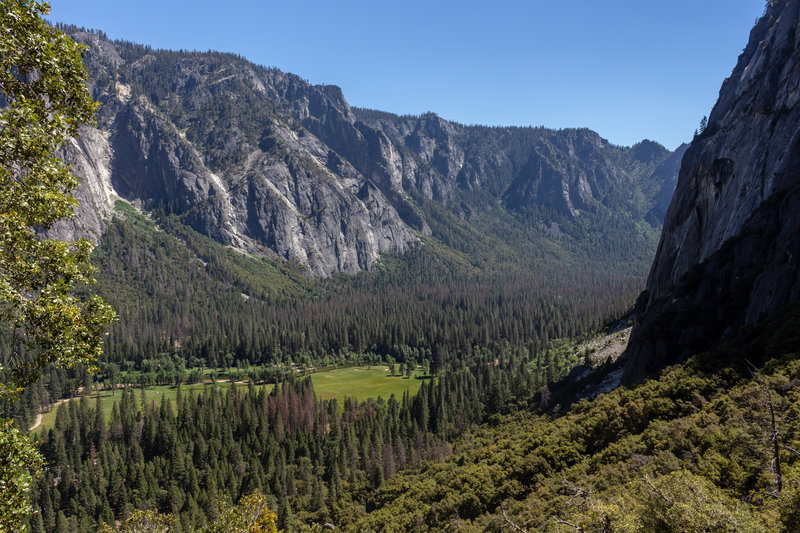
(43, 102)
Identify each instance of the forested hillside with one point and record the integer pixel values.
(184, 298)
(707, 446)
(710, 445)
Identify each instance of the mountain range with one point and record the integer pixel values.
(267, 164)
(271, 165)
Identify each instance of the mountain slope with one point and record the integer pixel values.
(686, 452)
(730, 246)
(265, 162)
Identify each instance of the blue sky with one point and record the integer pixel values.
(628, 69)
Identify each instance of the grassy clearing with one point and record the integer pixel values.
(362, 383)
(152, 394)
(358, 382)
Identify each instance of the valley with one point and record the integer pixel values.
(336, 318)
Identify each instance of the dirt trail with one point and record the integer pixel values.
(38, 422)
(52, 406)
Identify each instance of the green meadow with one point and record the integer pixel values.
(360, 383)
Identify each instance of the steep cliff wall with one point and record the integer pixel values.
(265, 162)
(730, 246)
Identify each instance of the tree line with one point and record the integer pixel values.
(311, 458)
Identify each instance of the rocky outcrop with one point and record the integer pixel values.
(569, 172)
(263, 161)
(730, 246)
(90, 156)
(284, 194)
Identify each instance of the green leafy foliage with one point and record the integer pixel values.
(251, 515)
(43, 101)
(690, 451)
(42, 87)
(142, 522)
(19, 462)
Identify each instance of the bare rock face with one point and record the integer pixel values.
(730, 247)
(90, 156)
(267, 163)
(284, 194)
(574, 172)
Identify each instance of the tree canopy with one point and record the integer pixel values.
(43, 102)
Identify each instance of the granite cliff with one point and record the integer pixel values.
(267, 163)
(730, 248)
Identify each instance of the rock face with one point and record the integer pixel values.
(263, 161)
(572, 172)
(730, 246)
(271, 188)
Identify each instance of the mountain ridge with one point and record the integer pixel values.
(263, 161)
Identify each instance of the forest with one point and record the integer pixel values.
(475, 450)
(482, 445)
(185, 302)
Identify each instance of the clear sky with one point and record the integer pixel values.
(629, 69)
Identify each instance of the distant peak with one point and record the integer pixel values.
(648, 151)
